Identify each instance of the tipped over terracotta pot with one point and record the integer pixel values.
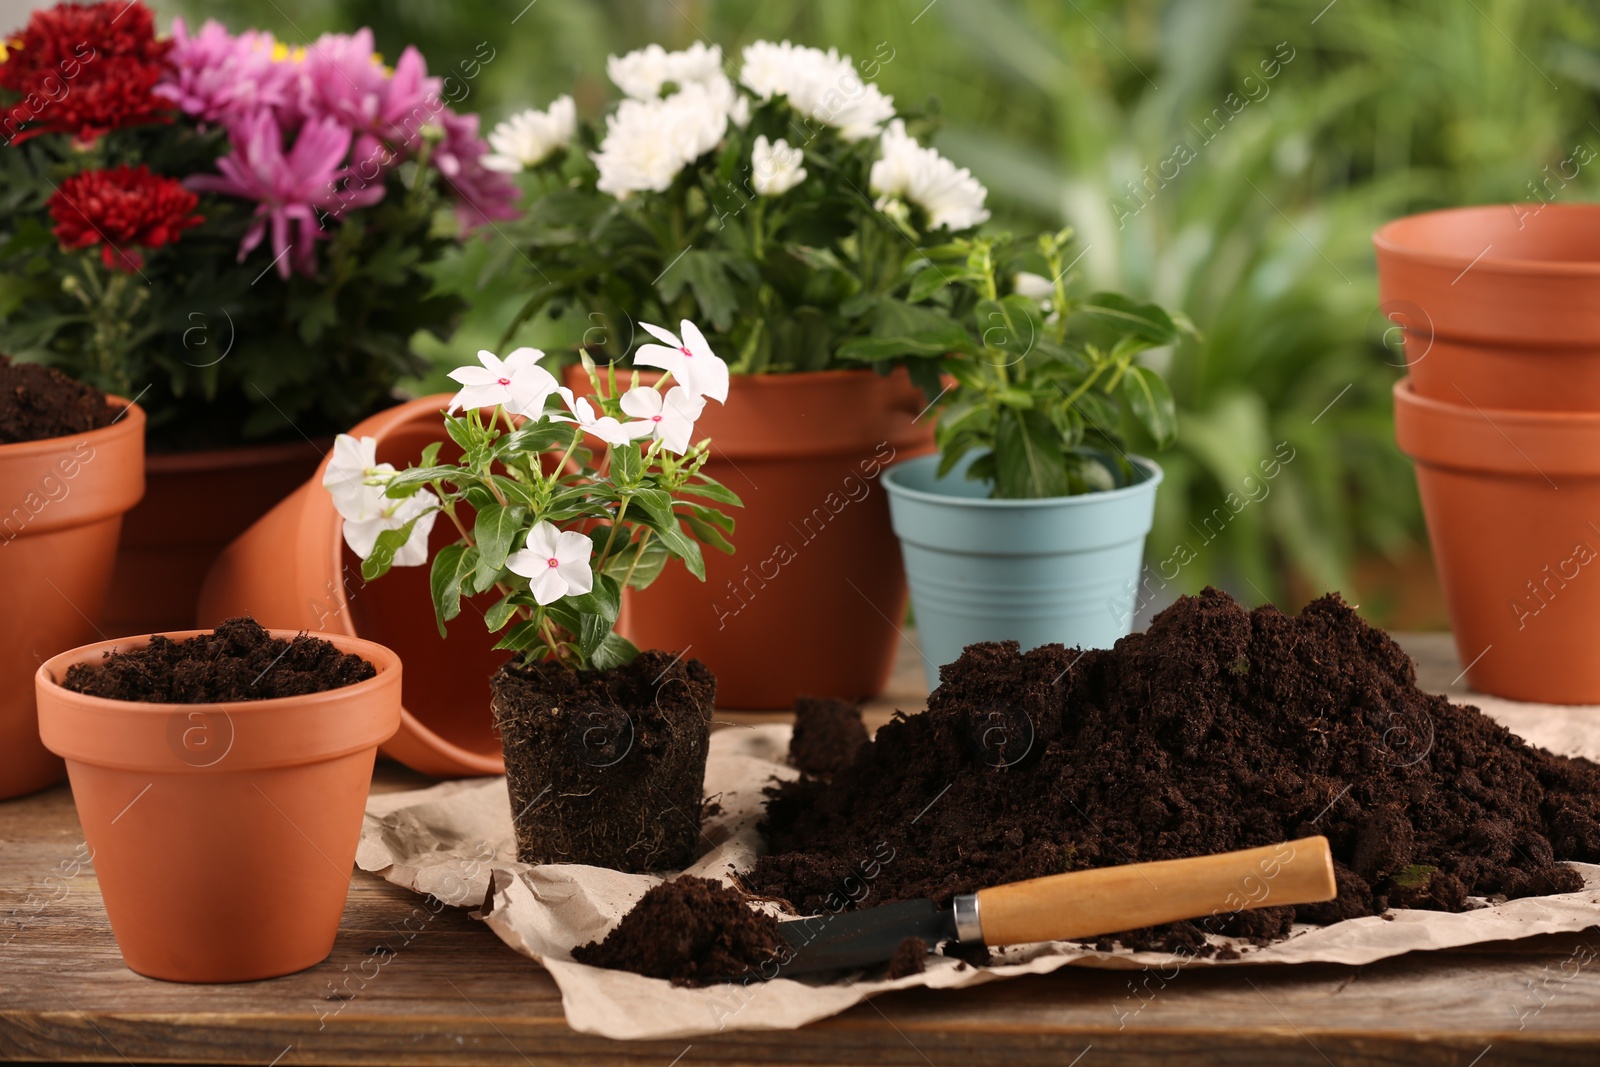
(813, 601)
(223, 835)
(61, 507)
(1512, 500)
(1500, 305)
(292, 570)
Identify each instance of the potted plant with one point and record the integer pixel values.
(219, 225)
(1029, 524)
(221, 777)
(71, 465)
(782, 209)
(605, 746)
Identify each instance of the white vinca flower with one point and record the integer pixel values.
(1033, 286)
(356, 482)
(820, 85)
(643, 73)
(555, 562)
(690, 360)
(909, 173)
(604, 427)
(528, 139)
(775, 168)
(671, 417)
(648, 142)
(516, 383)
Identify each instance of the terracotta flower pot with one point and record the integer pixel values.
(1512, 500)
(1500, 305)
(291, 570)
(223, 834)
(61, 506)
(813, 601)
(195, 503)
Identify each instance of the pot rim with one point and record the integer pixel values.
(1384, 241)
(382, 658)
(1475, 440)
(1148, 484)
(117, 427)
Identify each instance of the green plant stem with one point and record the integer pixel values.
(644, 539)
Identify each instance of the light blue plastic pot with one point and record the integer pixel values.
(1063, 570)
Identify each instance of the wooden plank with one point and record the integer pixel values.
(407, 986)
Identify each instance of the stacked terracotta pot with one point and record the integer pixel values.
(1500, 308)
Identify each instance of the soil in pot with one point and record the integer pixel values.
(37, 403)
(238, 661)
(691, 931)
(826, 735)
(606, 767)
(1217, 729)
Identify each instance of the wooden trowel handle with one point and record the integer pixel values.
(1110, 899)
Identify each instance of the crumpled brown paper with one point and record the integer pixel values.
(455, 841)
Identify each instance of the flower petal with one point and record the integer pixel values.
(660, 334)
(548, 587)
(641, 403)
(576, 576)
(543, 539)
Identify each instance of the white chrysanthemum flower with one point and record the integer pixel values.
(775, 168)
(642, 74)
(648, 142)
(528, 139)
(909, 173)
(820, 85)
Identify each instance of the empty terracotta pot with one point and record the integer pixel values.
(223, 834)
(291, 570)
(61, 506)
(813, 601)
(1500, 305)
(1512, 500)
(195, 503)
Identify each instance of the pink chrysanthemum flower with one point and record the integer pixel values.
(220, 78)
(295, 190)
(482, 195)
(343, 78)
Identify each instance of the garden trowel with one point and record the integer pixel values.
(1059, 907)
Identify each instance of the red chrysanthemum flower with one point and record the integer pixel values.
(121, 210)
(83, 69)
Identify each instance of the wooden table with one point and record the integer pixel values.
(452, 992)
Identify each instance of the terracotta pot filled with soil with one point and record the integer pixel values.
(195, 504)
(71, 465)
(1217, 729)
(606, 767)
(293, 570)
(220, 777)
(811, 601)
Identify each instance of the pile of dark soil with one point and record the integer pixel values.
(238, 661)
(1218, 729)
(827, 735)
(692, 931)
(607, 767)
(37, 403)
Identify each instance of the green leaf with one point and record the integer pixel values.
(521, 637)
(1151, 403)
(1010, 327)
(1149, 322)
(389, 542)
(704, 486)
(926, 282)
(451, 565)
(708, 533)
(627, 465)
(495, 530)
(502, 611)
(614, 651)
(703, 272)
(1029, 463)
(657, 503)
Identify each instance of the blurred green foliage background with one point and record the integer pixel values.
(1074, 111)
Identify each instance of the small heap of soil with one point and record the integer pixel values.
(1218, 729)
(692, 931)
(910, 957)
(39, 402)
(238, 661)
(606, 767)
(827, 734)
